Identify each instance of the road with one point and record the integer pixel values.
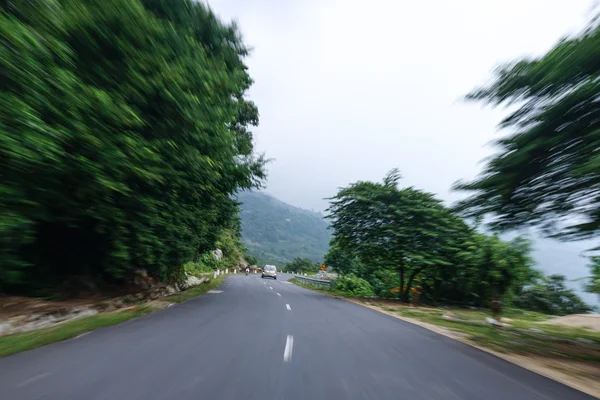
(266, 339)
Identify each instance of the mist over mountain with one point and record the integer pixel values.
(276, 232)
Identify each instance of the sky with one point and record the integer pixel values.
(348, 90)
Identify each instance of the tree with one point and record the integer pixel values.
(549, 295)
(405, 230)
(547, 173)
(124, 132)
(593, 281)
(251, 259)
(302, 265)
(342, 261)
(500, 266)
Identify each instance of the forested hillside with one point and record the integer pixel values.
(276, 232)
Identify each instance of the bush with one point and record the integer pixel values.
(382, 280)
(351, 285)
(549, 295)
(206, 263)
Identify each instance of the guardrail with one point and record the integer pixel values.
(315, 282)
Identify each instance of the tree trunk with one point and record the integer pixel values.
(410, 281)
(401, 282)
(496, 305)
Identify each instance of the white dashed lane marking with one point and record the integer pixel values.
(289, 347)
(288, 307)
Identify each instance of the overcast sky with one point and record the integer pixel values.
(348, 90)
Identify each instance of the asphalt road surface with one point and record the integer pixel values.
(267, 339)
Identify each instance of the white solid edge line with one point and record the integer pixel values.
(288, 307)
(35, 378)
(289, 347)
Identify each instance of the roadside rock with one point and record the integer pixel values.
(51, 317)
(24, 323)
(495, 322)
(218, 253)
(450, 316)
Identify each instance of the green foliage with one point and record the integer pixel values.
(124, 131)
(351, 285)
(547, 173)
(230, 242)
(593, 281)
(207, 262)
(406, 239)
(342, 261)
(382, 280)
(252, 260)
(302, 265)
(549, 295)
(276, 232)
(405, 230)
(501, 265)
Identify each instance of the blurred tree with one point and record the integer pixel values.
(124, 133)
(549, 295)
(593, 281)
(500, 266)
(302, 265)
(548, 172)
(406, 230)
(252, 260)
(342, 261)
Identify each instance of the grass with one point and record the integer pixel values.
(526, 334)
(18, 342)
(12, 344)
(195, 291)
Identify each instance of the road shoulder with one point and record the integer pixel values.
(76, 327)
(537, 365)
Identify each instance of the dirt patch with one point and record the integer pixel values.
(12, 306)
(21, 314)
(159, 304)
(589, 321)
(393, 303)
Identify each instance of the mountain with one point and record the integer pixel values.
(276, 232)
